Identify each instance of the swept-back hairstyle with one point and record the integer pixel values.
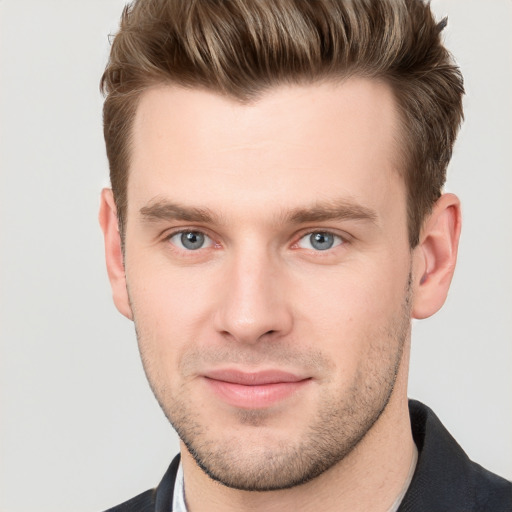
(240, 48)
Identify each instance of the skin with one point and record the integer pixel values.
(256, 180)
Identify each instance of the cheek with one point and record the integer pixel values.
(171, 307)
(348, 307)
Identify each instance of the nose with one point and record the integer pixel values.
(253, 303)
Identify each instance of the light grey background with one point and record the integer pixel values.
(80, 429)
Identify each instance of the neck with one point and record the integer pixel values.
(371, 477)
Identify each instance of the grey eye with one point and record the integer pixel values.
(191, 240)
(320, 241)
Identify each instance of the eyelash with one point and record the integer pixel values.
(182, 231)
(338, 240)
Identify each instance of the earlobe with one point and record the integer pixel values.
(435, 256)
(113, 252)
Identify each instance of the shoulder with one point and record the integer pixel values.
(154, 500)
(144, 502)
(446, 480)
(491, 492)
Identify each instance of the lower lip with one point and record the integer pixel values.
(254, 397)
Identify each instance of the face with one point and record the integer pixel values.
(268, 272)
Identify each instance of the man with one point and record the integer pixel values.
(275, 221)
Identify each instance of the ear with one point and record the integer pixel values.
(435, 256)
(113, 252)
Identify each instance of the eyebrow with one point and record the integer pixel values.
(164, 210)
(331, 210)
(318, 212)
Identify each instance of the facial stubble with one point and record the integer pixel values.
(339, 425)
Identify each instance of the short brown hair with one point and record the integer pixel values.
(240, 48)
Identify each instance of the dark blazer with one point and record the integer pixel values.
(445, 479)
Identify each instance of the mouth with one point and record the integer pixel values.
(254, 390)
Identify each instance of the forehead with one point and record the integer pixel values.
(293, 144)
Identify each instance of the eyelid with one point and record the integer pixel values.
(190, 229)
(343, 237)
(213, 240)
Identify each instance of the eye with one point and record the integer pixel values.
(191, 240)
(319, 241)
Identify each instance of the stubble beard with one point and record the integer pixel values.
(339, 425)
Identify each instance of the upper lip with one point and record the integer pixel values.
(248, 378)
